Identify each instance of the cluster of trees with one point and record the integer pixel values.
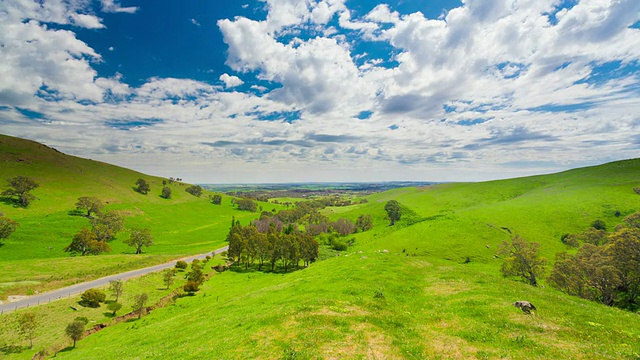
(249, 246)
(95, 240)
(606, 267)
(195, 190)
(246, 204)
(20, 187)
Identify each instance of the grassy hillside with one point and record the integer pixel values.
(33, 258)
(402, 292)
(419, 300)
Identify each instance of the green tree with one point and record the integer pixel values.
(139, 238)
(624, 254)
(86, 242)
(166, 192)
(216, 199)
(7, 227)
(191, 287)
(394, 212)
(599, 225)
(20, 186)
(181, 264)
(107, 225)
(168, 277)
(75, 330)
(140, 303)
(142, 186)
(93, 298)
(114, 306)
(522, 259)
(27, 325)
(90, 204)
(116, 287)
(195, 190)
(364, 222)
(246, 204)
(196, 275)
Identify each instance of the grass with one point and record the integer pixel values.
(421, 299)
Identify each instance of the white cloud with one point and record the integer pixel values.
(112, 6)
(195, 22)
(87, 21)
(230, 81)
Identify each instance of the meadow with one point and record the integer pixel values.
(428, 287)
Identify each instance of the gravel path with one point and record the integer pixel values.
(47, 297)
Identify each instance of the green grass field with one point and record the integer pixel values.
(416, 300)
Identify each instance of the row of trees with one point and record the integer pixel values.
(249, 246)
(606, 267)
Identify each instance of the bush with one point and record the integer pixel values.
(339, 245)
(181, 264)
(195, 190)
(93, 298)
(82, 319)
(599, 225)
(191, 287)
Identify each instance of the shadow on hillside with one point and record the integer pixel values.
(10, 201)
(12, 349)
(76, 212)
(67, 349)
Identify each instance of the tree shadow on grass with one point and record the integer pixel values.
(76, 212)
(108, 314)
(10, 201)
(67, 349)
(13, 349)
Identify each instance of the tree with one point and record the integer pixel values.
(364, 222)
(181, 264)
(599, 225)
(75, 330)
(27, 325)
(624, 255)
(196, 275)
(522, 259)
(140, 238)
(166, 192)
(246, 204)
(20, 186)
(90, 204)
(86, 242)
(142, 186)
(116, 287)
(107, 225)
(114, 306)
(139, 303)
(394, 212)
(93, 298)
(7, 227)
(191, 287)
(216, 199)
(195, 190)
(168, 276)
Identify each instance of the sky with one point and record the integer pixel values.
(227, 91)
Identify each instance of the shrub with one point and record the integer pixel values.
(636, 190)
(339, 245)
(599, 225)
(191, 287)
(181, 264)
(83, 319)
(93, 298)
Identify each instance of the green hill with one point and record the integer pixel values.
(33, 259)
(427, 288)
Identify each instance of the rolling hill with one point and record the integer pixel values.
(427, 288)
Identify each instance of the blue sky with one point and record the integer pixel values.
(325, 90)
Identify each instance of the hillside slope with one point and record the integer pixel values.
(427, 288)
(33, 258)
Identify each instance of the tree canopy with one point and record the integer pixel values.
(20, 186)
(7, 227)
(139, 238)
(142, 186)
(195, 190)
(394, 212)
(522, 259)
(86, 242)
(90, 204)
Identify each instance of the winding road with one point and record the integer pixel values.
(47, 297)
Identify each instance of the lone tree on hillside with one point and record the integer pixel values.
(364, 222)
(116, 287)
(27, 325)
(195, 190)
(90, 204)
(393, 211)
(166, 192)
(75, 330)
(142, 186)
(7, 227)
(86, 242)
(139, 238)
(216, 199)
(139, 303)
(522, 259)
(20, 186)
(92, 298)
(168, 276)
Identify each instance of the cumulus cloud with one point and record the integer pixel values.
(230, 81)
(501, 86)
